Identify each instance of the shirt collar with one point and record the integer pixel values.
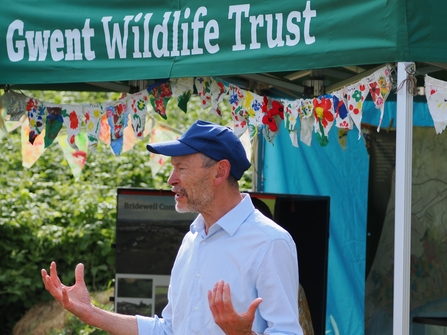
(231, 221)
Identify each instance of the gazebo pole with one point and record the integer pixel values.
(402, 215)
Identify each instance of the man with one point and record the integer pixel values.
(230, 244)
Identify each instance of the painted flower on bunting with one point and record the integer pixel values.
(354, 109)
(384, 85)
(306, 109)
(357, 95)
(375, 90)
(322, 111)
(160, 108)
(277, 109)
(166, 90)
(256, 105)
(234, 99)
(141, 104)
(81, 157)
(270, 121)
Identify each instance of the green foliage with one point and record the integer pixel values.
(73, 326)
(46, 215)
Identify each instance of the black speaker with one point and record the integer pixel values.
(306, 218)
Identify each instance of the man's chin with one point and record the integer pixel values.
(184, 209)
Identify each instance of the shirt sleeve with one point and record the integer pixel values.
(277, 283)
(152, 326)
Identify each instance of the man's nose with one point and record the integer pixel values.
(172, 180)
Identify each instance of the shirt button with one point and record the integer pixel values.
(203, 242)
(198, 275)
(195, 308)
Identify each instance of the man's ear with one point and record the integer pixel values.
(222, 171)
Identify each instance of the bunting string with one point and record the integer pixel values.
(124, 122)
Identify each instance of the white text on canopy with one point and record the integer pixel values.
(178, 33)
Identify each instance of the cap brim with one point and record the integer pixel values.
(171, 148)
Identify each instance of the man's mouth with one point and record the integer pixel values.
(179, 193)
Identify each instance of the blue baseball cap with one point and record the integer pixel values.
(212, 140)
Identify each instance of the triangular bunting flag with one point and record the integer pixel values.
(137, 106)
(273, 114)
(355, 96)
(130, 140)
(218, 89)
(252, 103)
(342, 118)
(117, 118)
(15, 104)
(159, 97)
(104, 130)
(76, 158)
(93, 114)
(379, 85)
(53, 123)
(436, 94)
(203, 88)
(307, 120)
(238, 113)
(72, 115)
(36, 117)
(182, 89)
(324, 118)
(291, 116)
(31, 152)
(342, 137)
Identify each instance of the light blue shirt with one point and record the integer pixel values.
(245, 249)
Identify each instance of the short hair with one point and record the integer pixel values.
(208, 162)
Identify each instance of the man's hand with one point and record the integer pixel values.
(231, 322)
(74, 299)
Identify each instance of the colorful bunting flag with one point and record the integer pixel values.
(342, 118)
(76, 158)
(72, 116)
(273, 115)
(379, 84)
(436, 94)
(36, 117)
(203, 90)
(137, 106)
(355, 96)
(159, 97)
(130, 140)
(291, 117)
(342, 137)
(31, 151)
(238, 113)
(219, 90)
(307, 120)
(53, 124)
(117, 118)
(15, 104)
(252, 103)
(182, 89)
(93, 114)
(324, 118)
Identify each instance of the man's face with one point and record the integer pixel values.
(191, 183)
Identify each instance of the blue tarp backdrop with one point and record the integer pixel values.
(342, 175)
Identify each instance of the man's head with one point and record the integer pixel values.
(214, 141)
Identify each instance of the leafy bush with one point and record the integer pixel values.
(73, 326)
(46, 215)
